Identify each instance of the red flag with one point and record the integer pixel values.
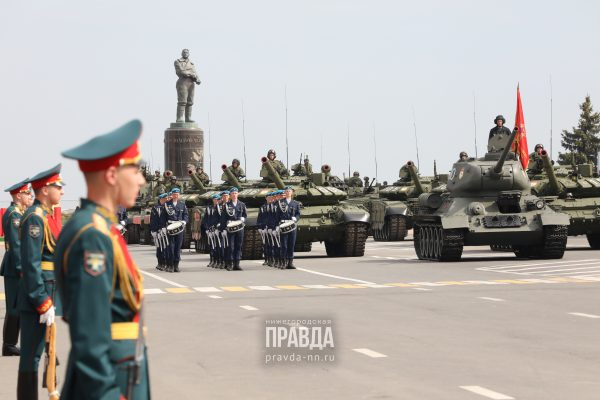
(520, 143)
(2, 211)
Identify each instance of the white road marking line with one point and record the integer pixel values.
(500, 267)
(577, 314)
(333, 276)
(249, 308)
(160, 278)
(490, 394)
(491, 298)
(595, 263)
(153, 291)
(536, 280)
(370, 353)
(214, 296)
(263, 288)
(588, 278)
(318, 287)
(572, 272)
(207, 289)
(421, 288)
(567, 269)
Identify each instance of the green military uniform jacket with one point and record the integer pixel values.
(11, 262)
(101, 289)
(37, 286)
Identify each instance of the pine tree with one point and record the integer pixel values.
(583, 143)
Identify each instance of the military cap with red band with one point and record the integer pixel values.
(113, 149)
(21, 187)
(50, 177)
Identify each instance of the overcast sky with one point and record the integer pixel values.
(73, 69)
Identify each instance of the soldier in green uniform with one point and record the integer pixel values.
(173, 184)
(277, 165)
(98, 281)
(236, 170)
(355, 181)
(36, 299)
(203, 176)
(160, 188)
(11, 264)
(535, 165)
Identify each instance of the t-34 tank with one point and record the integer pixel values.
(574, 191)
(489, 202)
(326, 217)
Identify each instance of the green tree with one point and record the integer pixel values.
(583, 143)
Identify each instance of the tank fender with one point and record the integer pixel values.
(396, 210)
(455, 221)
(555, 219)
(355, 216)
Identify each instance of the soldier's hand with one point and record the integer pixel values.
(48, 317)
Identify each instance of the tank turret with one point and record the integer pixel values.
(273, 175)
(195, 179)
(231, 177)
(415, 178)
(552, 180)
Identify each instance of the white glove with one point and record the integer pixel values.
(243, 219)
(123, 224)
(164, 231)
(48, 317)
(184, 223)
(294, 219)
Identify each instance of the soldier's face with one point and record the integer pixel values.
(288, 194)
(128, 184)
(55, 193)
(234, 196)
(499, 122)
(175, 196)
(271, 156)
(235, 164)
(215, 201)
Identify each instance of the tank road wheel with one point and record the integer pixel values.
(594, 240)
(352, 244)
(303, 247)
(523, 251)
(332, 249)
(252, 248)
(395, 228)
(432, 242)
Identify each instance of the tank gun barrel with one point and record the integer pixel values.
(415, 177)
(554, 186)
(231, 177)
(498, 167)
(195, 179)
(273, 174)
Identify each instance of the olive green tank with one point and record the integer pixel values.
(138, 226)
(489, 202)
(574, 191)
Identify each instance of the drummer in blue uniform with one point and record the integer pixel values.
(209, 220)
(278, 255)
(37, 300)
(289, 210)
(156, 230)
(176, 211)
(11, 264)
(261, 223)
(99, 282)
(235, 210)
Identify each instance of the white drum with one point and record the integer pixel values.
(287, 226)
(235, 226)
(175, 228)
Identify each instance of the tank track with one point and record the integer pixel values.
(352, 244)
(394, 229)
(252, 249)
(432, 242)
(552, 247)
(133, 234)
(594, 240)
(303, 247)
(501, 247)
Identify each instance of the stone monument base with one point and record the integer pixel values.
(184, 145)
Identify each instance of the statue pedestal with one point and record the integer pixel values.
(184, 144)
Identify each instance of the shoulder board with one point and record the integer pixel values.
(39, 211)
(100, 224)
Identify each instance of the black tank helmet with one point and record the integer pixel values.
(538, 146)
(500, 117)
(235, 160)
(271, 151)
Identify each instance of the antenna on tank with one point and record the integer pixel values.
(551, 116)
(475, 124)
(244, 134)
(287, 154)
(209, 146)
(375, 148)
(416, 140)
(348, 137)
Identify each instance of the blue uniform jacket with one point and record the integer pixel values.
(287, 210)
(155, 218)
(174, 212)
(233, 213)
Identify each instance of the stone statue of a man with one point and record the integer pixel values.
(185, 70)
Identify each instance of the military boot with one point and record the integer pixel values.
(27, 386)
(290, 264)
(236, 266)
(169, 267)
(11, 336)
(266, 262)
(176, 267)
(282, 263)
(160, 267)
(188, 114)
(229, 265)
(180, 112)
(210, 263)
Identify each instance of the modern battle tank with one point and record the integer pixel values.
(138, 226)
(489, 202)
(391, 207)
(574, 191)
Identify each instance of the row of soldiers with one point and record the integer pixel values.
(82, 272)
(223, 224)
(166, 212)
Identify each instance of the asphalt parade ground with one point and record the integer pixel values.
(489, 327)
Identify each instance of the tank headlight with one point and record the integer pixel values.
(477, 208)
(539, 204)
